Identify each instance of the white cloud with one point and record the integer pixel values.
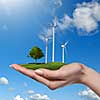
(56, 4)
(30, 92)
(31, 95)
(65, 22)
(5, 4)
(39, 97)
(88, 94)
(18, 97)
(95, 10)
(3, 81)
(86, 18)
(47, 33)
(83, 19)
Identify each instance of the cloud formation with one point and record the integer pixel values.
(30, 92)
(86, 18)
(56, 4)
(3, 81)
(31, 95)
(39, 97)
(47, 33)
(18, 97)
(65, 22)
(88, 94)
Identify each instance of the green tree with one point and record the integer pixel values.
(36, 53)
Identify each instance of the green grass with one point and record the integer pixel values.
(50, 66)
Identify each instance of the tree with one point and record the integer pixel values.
(36, 53)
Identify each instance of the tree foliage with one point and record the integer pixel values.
(36, 53)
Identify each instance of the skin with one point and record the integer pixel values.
(74, 73)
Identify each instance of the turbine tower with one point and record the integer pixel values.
(46, 39)
(63, 51)
(54, 25)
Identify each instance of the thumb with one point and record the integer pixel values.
(47, 73)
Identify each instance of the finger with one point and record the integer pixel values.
(56, 84)
(31, 74)
(48, 73)
(41, 79)
(23, 70)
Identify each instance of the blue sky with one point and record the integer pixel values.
(21, 22)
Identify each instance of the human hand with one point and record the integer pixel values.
(66, 75)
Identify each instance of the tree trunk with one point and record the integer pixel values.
(35, 61)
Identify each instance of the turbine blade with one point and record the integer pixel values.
(42, 37)
(66, 43)
(66, 52)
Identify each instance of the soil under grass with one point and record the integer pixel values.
(50, 66)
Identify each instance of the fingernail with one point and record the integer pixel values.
(10, 65)
(39, 72)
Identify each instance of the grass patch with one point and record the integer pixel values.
(50, 66)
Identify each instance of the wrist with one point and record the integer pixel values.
(91, 79)
(87, 74)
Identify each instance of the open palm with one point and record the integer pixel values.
(66, 75)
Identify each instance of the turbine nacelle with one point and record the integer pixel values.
(54, 23)
(63, 46)
(45, 37)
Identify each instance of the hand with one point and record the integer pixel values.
(66, 75)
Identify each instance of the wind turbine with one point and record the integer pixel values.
(63, 46)
(54, 25)
(46, 39)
